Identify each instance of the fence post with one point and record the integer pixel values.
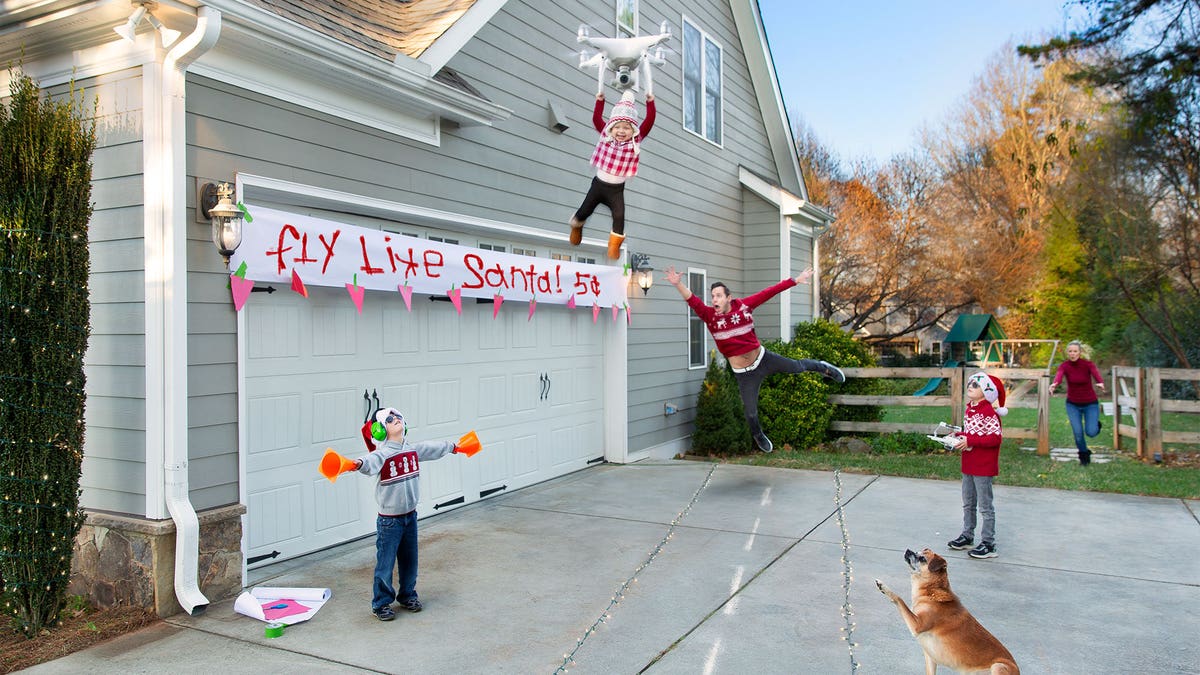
(957, 404)
(1043, 415)
(1153, 415)
(1139, 415)
(1114, 389)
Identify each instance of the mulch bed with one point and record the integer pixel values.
(77, 630)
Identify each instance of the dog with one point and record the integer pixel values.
(946, 631)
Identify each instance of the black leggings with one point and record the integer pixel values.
(750, 382)
(611, 195)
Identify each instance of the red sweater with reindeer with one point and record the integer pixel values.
(733, 331)
(981, 427)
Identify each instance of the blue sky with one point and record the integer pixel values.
(867, 75)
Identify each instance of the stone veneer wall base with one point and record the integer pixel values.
(123, 560)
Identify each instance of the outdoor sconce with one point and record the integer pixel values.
(128, 29)
(216, 205)
(643, 273)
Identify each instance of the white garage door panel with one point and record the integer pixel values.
(532, 390)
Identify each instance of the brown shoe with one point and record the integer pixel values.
(614, 245)
(576, 231)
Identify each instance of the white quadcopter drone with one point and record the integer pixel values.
(623, 56)
(946, 434)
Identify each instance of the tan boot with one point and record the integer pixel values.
(614, 245)
(576, 231)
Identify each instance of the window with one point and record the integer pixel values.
(697, 331)
(498, 248)
(444, 240)
(585, 259)
(701, 83)
(524, 251)
(561, 256)
(627, 18)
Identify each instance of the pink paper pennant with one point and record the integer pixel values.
(497, 300)
(241, 290)
(532, 308)
(628, 316)
(298, 284)
(614, 312)
(595, 312)
(571, 302)
(456, 297)
(356, 294)
(406, 293)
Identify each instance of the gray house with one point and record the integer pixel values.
(461, 123)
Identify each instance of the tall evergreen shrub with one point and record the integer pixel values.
(720, 420)
(45, 204)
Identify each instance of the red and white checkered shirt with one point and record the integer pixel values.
(619, 159)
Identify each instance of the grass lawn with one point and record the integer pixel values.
(1178, 477)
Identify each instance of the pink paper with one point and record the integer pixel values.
(456, 297)
(497, 300)
(241, 290)
(356, 294)
(595, 312)
(614, 310)
(628, 316)
(571, 302)
(272, 611)
(298, 284)
(532, 308)
(406, 293)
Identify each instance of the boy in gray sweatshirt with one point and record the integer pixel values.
(397, 463)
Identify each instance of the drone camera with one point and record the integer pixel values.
(624, 77)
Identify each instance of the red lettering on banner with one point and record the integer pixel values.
(513, 272)
(473, 264)
(582, 282)
(433, 259)
(495, 277)
(410, 264)
(278, 252)
(366, 266)
(558, 278)
(328, 248)
(304, 251)
(543, 282)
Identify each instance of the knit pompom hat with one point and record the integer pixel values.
(993, 390)
(624, 111)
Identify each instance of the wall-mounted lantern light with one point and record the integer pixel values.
(643, 273)
(141, 11)
(216, 205)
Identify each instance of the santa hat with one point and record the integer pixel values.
(379, 417)
(993, 390)
(623, 111)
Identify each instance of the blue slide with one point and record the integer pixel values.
(935, 381)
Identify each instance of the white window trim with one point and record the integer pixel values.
(692, 315)
(683, 78)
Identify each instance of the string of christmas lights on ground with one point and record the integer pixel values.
(847, 572)
(569, 659)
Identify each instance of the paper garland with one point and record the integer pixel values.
(406, 293)
(497, 300)
(456, 297)
(241, 291)
(298, 285)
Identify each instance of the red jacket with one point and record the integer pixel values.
(981, 427)
(1079, 375)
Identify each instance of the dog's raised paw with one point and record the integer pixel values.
(882, 589)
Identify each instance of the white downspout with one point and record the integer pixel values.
(175, 447)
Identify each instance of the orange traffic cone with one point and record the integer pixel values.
(469, 444)
(333, 465)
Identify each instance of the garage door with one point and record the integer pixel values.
(532, 388)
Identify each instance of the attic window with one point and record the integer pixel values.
(627, 18)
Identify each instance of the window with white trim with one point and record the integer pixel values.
(702, 88)
(627, 18)
(697, 331)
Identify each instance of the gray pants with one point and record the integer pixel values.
(750, 382)
(977, 492)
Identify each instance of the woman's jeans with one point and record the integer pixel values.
(395, 548)
(1085, 419)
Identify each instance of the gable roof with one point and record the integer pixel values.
(975, 327)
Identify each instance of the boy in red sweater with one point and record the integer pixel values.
(980, 456)
(731, 324)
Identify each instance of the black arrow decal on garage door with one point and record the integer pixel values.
(452, 502)
(492, 491)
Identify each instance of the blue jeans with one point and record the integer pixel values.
(1084, 419)
(977, 493)
(750, 382)
(395, 547)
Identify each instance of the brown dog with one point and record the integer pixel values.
(946, 631)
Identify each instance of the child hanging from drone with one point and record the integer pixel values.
(616, 161)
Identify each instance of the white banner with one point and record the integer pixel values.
(327, 253)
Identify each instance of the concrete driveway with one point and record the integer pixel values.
(689, 567)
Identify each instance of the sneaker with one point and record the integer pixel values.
(832, 372)
(384, 613)
(1085, 458)
(413, 605)
(983, 550)
(763, 443)
(961, 543)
